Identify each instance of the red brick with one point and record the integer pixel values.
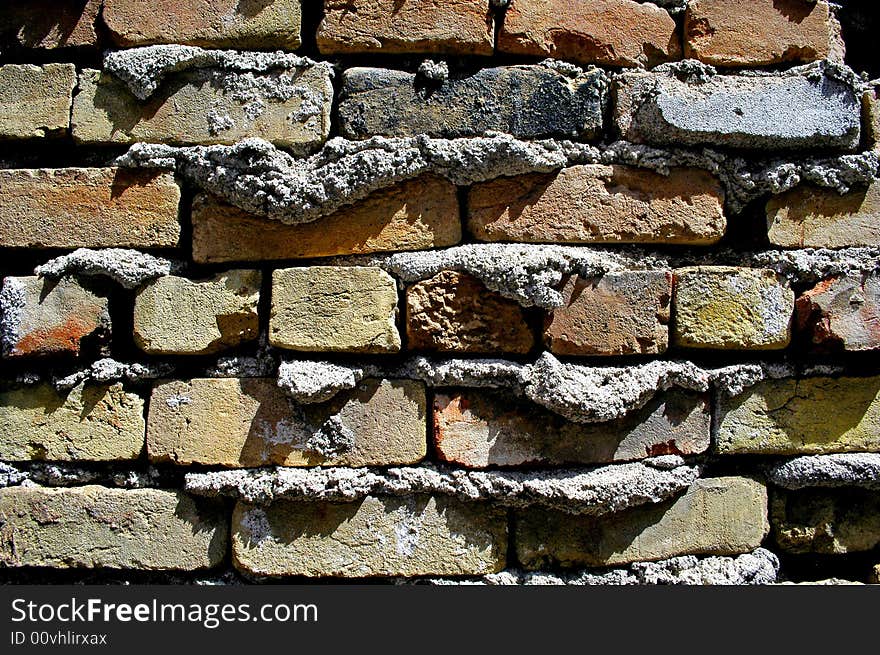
(415, 215)
(460, 27)
(213, 23)
(758, 32)
(454, 312)
(608, 32)
(624, 313)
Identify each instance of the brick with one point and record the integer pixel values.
(376, 536)
(416, 215)
(334, 309)
(35, 100)
(827, 522)
(91, 422)
(50, 24)
(841, 313)
(809, 416)
(453, 27)
(212, 23)
(783, 111)
(88, 208)
(620, 313)
(731, 308)
(249, 422)
(599, 204)
(454, 312)
(607, 32)
(524, 101)
(757, 33)
(174, 315)
(95, 527)
(200, 107)
(43, 317)
(716, 516)
(871, 119)
(488, 428)
(813, 217)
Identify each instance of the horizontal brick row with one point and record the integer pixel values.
(354, 309)
(605, 32)
(292, 107)
(249, 422)
(97, 527)
(592, 204)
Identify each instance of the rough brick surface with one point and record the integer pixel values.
(334, 309)
(486, 428)
(842, 312)
(812, 217)
(35, 100)
(43, 317)
(454, 312)
(88, 208)
(213, 23)
(174, 315)
(249, 422)
(49, 23)
(826, 521)
(202, 107)
(871, 118)
(88, 423)
(609, 32)
(420, 535)
(455, 27)
(717, 516)
(622, 313)
(599, 204)
(781, 112)
(96, 527)
(757, 33)
(813, 415)
(415, 215)
(525, 101)
(731, 308)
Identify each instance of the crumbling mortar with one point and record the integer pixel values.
(588, 491)
(256, 176)
(759, 567)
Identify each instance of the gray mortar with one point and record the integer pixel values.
(810, 265)
(331, 439)
(433, 71)
(71, 475)
(760, 567)
(128, 268)
(580, 393)
(12, 302)
(672, 6)
(144, 69)
(109, 370)
(256, 176)
(314, 382)
(837, 470)
(264, 363)
(575, 491)
(10, 476)
(528, 274)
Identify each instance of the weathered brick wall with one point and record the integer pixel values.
(511, 291)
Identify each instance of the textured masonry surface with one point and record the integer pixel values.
(520, 292)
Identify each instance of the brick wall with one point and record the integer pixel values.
(513, 292)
